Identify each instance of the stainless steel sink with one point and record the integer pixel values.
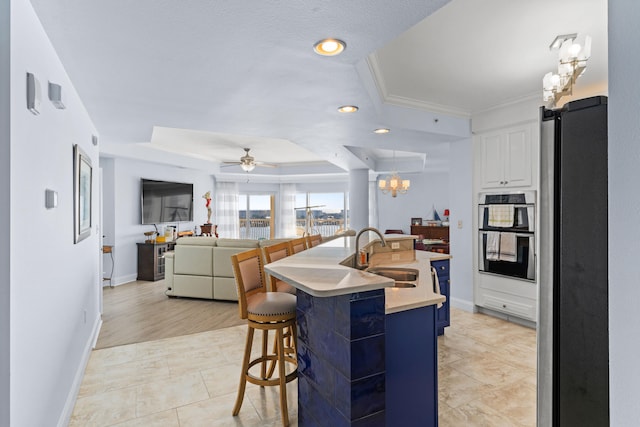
(399, 284)
(403, 277)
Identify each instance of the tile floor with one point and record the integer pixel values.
(486, 378)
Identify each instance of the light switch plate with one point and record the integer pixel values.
(50, 199)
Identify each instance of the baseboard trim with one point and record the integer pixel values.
(65, 416)
(121, 280)
(462, 304)
(504, 316)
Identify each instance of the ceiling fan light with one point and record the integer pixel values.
(381, 130)
(248, 167)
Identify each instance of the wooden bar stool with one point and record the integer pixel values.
(265, 311)
(298, 245)
(314, 240)
(273, 253)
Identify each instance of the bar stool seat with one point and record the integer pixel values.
(271, 304)
(265, 311)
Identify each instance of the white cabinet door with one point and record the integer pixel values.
(492, 161)
(518, 158)
(506, 158)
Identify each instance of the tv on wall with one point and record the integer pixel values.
(164, 201)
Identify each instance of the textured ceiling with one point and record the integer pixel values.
(473, 55)
(206, 78)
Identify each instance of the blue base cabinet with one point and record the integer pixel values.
(412, 368)
(443, 313)
(341, 360)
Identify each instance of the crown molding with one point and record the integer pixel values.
(537, 96)
(401, 101)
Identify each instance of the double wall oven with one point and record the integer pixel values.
(506, 234)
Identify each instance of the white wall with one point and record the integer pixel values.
(624, 211)
(54, 283)
(5, 224)
(427, 189)
(461, 207)
(122, 183)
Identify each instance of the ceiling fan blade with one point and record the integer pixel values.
(266, 165)
(227, 164)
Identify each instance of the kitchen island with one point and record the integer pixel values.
(367, 351)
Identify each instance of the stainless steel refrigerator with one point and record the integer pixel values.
(573, 343)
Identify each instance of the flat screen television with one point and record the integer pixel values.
(165, 201)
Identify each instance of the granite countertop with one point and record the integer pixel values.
(318, 271)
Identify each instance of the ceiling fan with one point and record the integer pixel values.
(248, 162)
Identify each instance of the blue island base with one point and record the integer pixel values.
(359, 367)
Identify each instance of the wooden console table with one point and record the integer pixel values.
(151, 260)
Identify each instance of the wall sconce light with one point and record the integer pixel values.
(572, 63)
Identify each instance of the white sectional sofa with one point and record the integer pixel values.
(200, 267)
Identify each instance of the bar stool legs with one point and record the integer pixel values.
(282, 355)
(289, 347)
(264, 311)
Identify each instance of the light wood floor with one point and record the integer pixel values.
(140, 311)
(486, 378)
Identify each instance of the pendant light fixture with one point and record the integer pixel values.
(393, 183)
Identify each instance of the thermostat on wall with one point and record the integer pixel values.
(33, 94)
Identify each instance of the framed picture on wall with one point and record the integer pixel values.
(82, 180)
(416, 221)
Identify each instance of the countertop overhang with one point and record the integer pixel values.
(318, 271)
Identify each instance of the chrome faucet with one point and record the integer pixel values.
(356, 256)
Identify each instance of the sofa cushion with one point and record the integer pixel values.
(237, 243)
(222, 260)
(225, 288)
(193, 260)
(193, 286)
(197, 241)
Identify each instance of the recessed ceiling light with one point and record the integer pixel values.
(329, 47)
(382, 130)
(348, 109)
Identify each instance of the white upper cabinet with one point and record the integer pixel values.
(506, 158)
